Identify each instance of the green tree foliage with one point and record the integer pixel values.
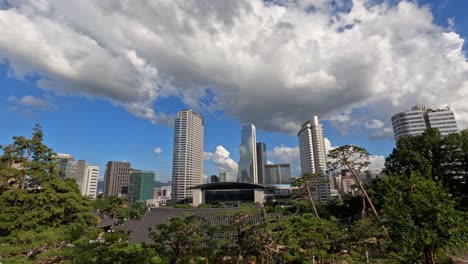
(112, 248)
(309, 239)
(40, 213)
(422, 219)
(306, 184)
(242, 239)
(181, 240)
(442, 159)
(119, 208)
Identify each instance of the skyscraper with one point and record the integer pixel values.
(187, 162)
(90, 180)
(62, 159)
(226, 176)
(141, 185)
(75, 169)
(261, 162)
(248, 155)
(313, 155)
(414, 121)
(116, 178)
(277, 174)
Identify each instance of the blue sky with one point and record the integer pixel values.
(126, 115)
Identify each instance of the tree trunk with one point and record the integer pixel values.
(311, 199)
(429, 257)
(365, 195)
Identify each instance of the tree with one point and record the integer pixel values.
(422, 219)
(310, 240)
(242, 237)
(305, 182)
(181, 240)
(354, 158)
(442, 159)
(40, 214)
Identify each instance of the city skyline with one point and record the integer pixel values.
(102, 97)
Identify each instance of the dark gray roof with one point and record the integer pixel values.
(157, 216)
(127, 226)
(106, 222)
(229, 185)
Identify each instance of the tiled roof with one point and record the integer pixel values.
(106, 222)
(157, 216)
(127, 226)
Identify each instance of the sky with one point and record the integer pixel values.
(105, 78)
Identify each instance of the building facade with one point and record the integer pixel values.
(75, 169)
(277, 174)
(116, 178)
(248, 155)
(90, 181)
(415, 121)
(313, 156)
(62, 159)
(261, 162)
(141, 186)
(187, 162)
(225, 176)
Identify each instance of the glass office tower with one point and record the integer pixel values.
(248, 155)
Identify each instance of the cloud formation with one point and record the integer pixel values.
(222, 160)
(34, 102)
(352, 62)
(157, 150)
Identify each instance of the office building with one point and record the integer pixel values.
(277, 174)
(86, 176)
(226, 176)
(187, 162)
(141, 186)
(261, 162)
(415, 121)
(62, 159)
(90, 181)
(116, 178)
(248, 155)
(76, 170)
(313, 156)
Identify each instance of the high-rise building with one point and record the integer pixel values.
(277, 174)
(116, 178)
(248, 155)
(62, 159)
(225, 176)
(90, 181)
(415, 121)
(187, 162)
(261, 162)
(86, 176)
(141, 186)
(76, 170)
(313, 156)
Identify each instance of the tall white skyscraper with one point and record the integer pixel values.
(313, 155)
(415, 121)
(90, 179)
(187, 162)
(86, 176)
(248, 155)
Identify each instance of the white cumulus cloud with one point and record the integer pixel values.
(222, 160)
(157, 150)
(353, 62)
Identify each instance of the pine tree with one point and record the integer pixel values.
(41, 214)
